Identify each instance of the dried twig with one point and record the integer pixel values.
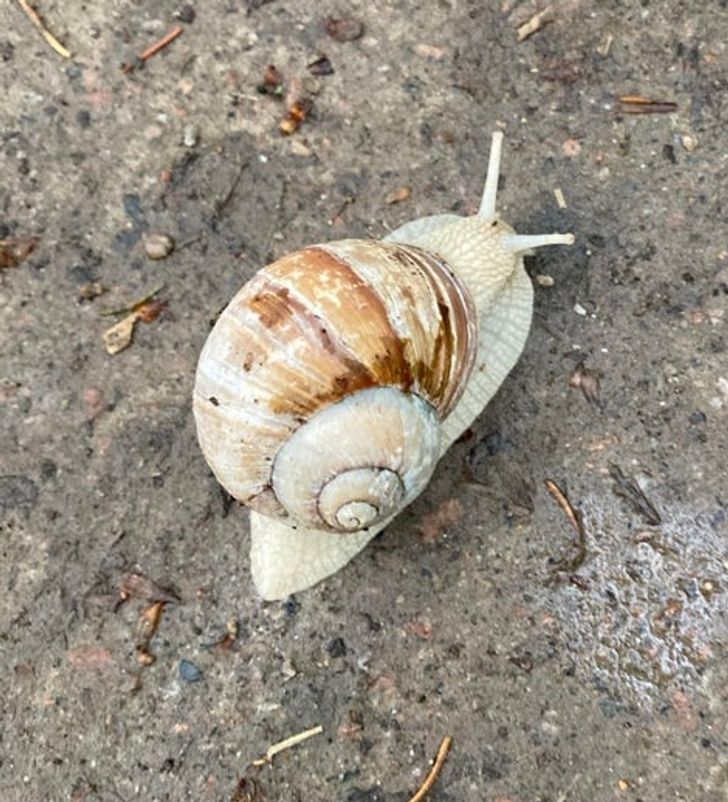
(153, 49)
(287, 743)
(133, 307)
(223, 202)
(637, 104)
(574, 518)
(37, 20)
(536, 22)
(434, 772)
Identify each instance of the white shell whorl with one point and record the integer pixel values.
(358, 462)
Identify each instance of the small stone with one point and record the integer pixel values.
(186, 14)
(83, 118)
(545, 281)
(189, 672)
(190, 136)
(337, 648)
(580, 310)
(690, 143)
(344, 29)
(158, 245)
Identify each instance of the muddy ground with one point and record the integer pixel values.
(562, 673)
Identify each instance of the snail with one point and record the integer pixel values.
(336, 378)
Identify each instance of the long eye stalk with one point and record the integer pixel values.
(518, 243)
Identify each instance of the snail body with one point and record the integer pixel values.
(337, 376)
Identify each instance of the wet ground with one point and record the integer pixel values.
(570, 658)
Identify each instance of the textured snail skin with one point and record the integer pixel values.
(336, 378)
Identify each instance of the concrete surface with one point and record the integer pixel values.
(561, 676)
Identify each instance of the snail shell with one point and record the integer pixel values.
(335, 379)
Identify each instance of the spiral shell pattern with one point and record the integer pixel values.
(317, 327)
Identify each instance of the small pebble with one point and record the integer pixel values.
(344, 29)
(186, 14)
(191, 136)
(189, 672)
(689, 142)
(337, 648)
(580, 310)
(158, 245)
(545, 281)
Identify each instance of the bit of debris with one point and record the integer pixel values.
(297, 113)
(420, 628)
(149, 621)
(287, 743)
(580, 310)
(637, 104)
(571, 147)
(544, 280)
(560, 199)
(398, 195)
(429, 51)
(320, 65)
(152, 50)
(523, 661)
(574, 518)
(138, 586)
(272, 83)
(15, 250)
(231, 635)
(435, 523)
(434, 772)
(628, 489)
(690, 143)
(588, 381)
(223, 202)
(248, 790)
(158, 245)
(90, 290)
(336, 218)
(189, 672)
(344, 29)
(190, 136)
(37, 20)
(535, 24)
(119, 336)
(605, 45)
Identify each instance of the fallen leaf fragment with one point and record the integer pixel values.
(287, 743)
(119, 336)
(138, 586)
(398, 195)
(15, 250)
(627, 488)
(148, 312)
(320, 65)
(588, 381)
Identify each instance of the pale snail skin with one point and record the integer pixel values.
(338, 376)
